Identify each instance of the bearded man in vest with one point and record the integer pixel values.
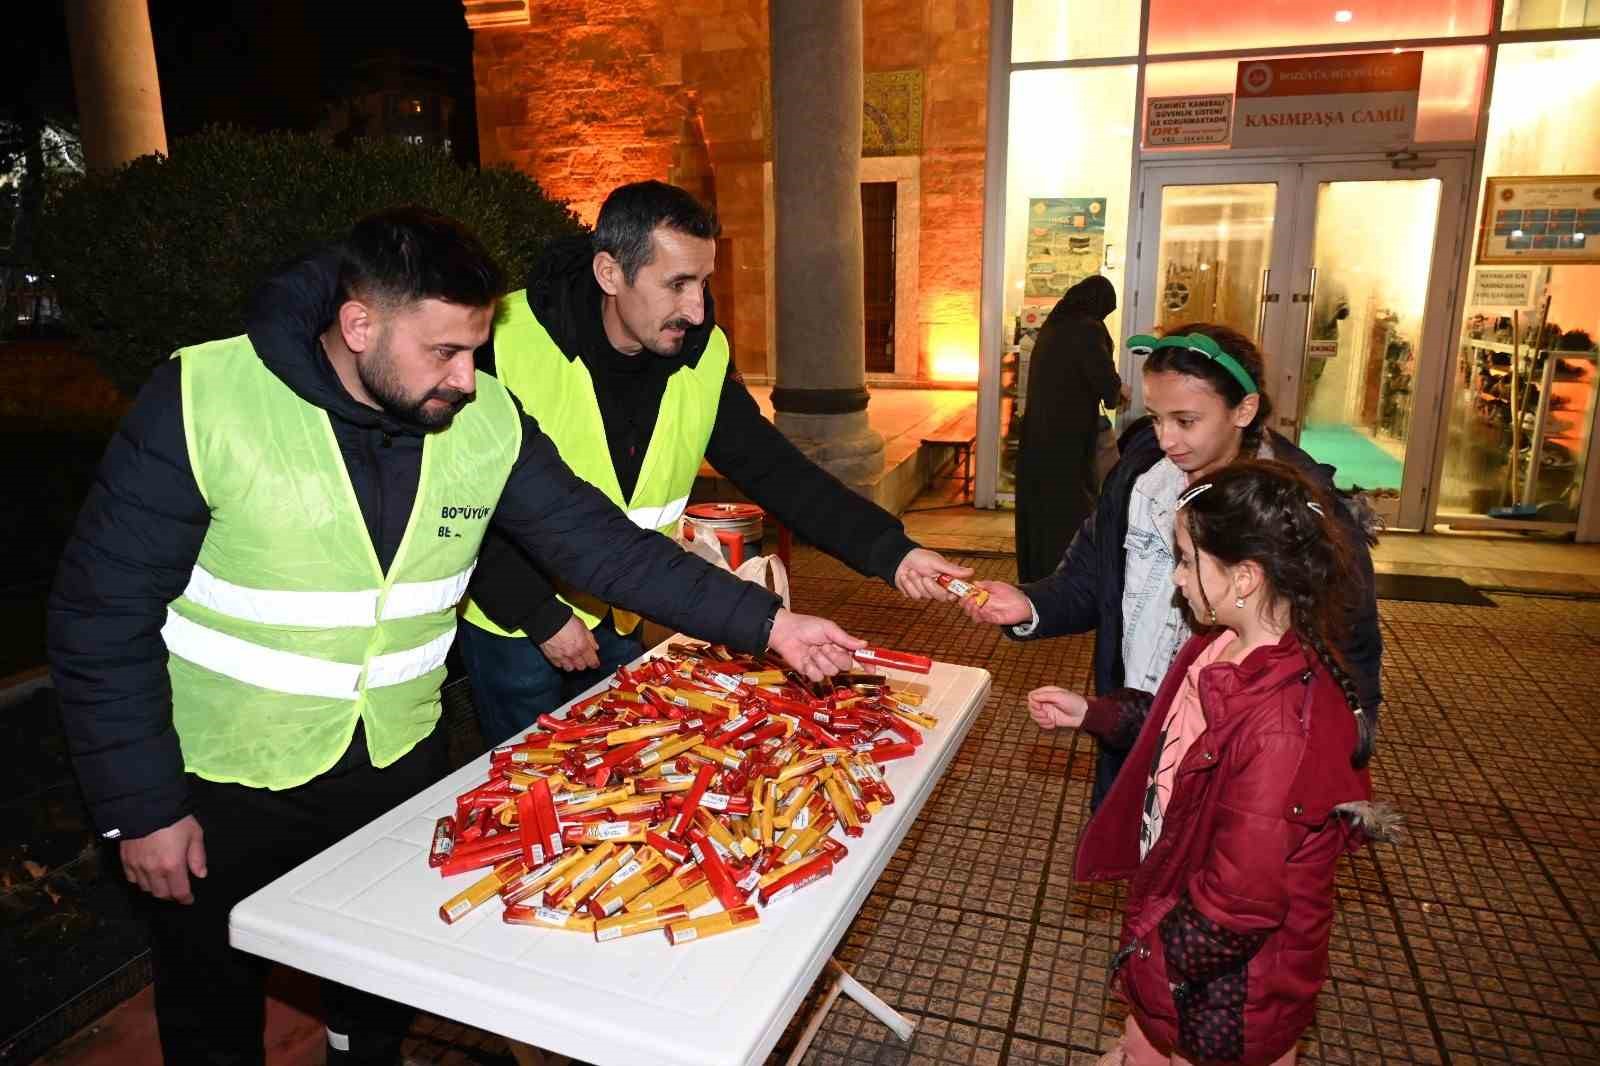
(249, 626)
(613, 346)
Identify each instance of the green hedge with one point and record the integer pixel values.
(164, 251)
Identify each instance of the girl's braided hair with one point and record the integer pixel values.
(1269, 514)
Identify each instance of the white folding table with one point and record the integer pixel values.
(365, 913)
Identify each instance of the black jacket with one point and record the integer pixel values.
(143, 522)
(1085, 592)
(744, 447)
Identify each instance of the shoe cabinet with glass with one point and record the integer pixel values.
(1531, 470)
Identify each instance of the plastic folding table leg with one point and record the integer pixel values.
(844, 984)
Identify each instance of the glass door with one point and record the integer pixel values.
(1364, 344)
(1343, 273)
(1213, 247)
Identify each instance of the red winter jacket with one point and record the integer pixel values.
(1225, 939)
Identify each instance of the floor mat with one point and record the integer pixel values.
(1423, 589)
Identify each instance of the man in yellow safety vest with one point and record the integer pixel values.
(614, 347)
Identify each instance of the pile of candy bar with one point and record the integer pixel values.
(699, 777)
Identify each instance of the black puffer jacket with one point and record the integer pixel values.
(1085, 592)
(744, 447)
(144, 520)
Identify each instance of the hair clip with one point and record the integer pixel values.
(1145, 344)
(1317, 507)
(1192, 493)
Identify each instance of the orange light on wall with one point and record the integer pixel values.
(953, 351)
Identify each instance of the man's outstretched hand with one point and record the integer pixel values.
(917, 576)
(814, 646)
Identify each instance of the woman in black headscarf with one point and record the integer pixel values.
(1070, 374)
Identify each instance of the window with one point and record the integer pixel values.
(1550, 14)
(1184, 26)
(1534, 131)
(1452, 80)
(1051, 30)
(1067, 170)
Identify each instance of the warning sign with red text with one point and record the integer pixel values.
(1180, 120)
(1367, 100)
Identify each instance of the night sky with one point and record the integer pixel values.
(260, 64)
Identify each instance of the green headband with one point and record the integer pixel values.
(1144, 344)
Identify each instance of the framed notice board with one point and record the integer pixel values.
(1541, 220)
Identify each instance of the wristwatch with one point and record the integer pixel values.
(766, 626)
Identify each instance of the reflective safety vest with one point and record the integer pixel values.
(289, 631)
(559, 393)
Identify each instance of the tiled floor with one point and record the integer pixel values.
(1477, 940)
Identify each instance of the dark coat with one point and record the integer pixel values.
(1071, 372)
(744, 447)
(1225, 933)
(142, 524)
(1084, 593)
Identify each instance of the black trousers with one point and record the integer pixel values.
(210, 998)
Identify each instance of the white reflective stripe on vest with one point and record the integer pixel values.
(656, 517)
(399, 667)
(274, 607)
(297, 675)
(324, 610)
(268, 668)
(408, 599)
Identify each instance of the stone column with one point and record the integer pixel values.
(114, 75)
(820, 396)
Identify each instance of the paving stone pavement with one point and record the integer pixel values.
(1475, 940)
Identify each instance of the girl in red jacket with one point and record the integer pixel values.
(1246, 780)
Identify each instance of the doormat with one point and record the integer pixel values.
(1422, 589)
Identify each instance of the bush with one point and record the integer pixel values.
(163, 252)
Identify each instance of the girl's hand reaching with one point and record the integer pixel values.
(1057, 708)
(1006, 605)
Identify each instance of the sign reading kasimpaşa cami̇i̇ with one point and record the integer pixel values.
(1367, 100)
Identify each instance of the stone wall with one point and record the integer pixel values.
(590, 94)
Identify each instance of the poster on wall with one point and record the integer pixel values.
(1541, 220)
(1187, 120)
(1366, 100)
(1066, 242)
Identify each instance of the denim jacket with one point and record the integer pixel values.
(1153, 624)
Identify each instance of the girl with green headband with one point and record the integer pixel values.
(1204, 409)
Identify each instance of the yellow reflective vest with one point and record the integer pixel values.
(289, 631)
(559, 393)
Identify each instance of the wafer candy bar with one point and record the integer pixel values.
(711, 925)
(479, 892)
(965, 590)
